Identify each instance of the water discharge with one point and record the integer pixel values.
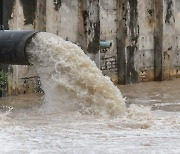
(151, 123)
(72, 81)
(27, 127)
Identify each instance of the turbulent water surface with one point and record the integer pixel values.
(82, 112)
(70, 79)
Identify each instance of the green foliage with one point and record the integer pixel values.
(3, 80)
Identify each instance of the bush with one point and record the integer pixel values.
(3, 80)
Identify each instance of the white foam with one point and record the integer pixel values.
(72, 81)
(4, 112)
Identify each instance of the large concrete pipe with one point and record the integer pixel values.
(12, 46)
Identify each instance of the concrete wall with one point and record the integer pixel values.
(77, 21)
(21, 79)
(108, 32)
(147, 40)
(145, 35)
(176, 55)
(135, 40)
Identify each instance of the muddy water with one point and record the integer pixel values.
(151, 124)
(72, 81)
(161, 95)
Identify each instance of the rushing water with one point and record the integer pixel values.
(151, 124)
(63, 122)
(70, 79)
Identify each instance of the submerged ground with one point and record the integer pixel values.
(151, 124)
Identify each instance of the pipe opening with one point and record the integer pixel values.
(12, 47)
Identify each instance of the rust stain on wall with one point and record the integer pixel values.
(128, 30)
(150, 14)
(93, 28)
(121, 40)
(133, 25)
(169, 12)
(93, 46)
(82, 25)
(41, 15)
(158, 39)
(7, 11)
(57, 4)
(29, 10)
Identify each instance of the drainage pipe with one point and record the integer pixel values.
(105, 44)
(12, 46)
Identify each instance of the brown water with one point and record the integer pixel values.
(83, 112)
(160, 96)
(151, 124)
(72, 81)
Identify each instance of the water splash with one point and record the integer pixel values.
(4, 112)
(72, 81)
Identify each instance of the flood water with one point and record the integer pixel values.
(70, 79)
(151, 124)
(83, 112)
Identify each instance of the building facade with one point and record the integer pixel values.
(143, 36)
